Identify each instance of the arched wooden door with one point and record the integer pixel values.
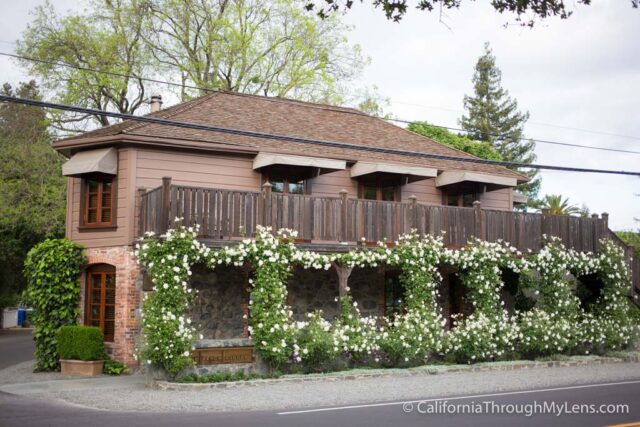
(100, 299)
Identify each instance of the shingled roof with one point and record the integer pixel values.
(289, 118)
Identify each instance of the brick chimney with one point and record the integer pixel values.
(156, 103)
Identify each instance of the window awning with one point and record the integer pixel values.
(103, 160)
(519, 198)
(366, 168)
(455, 177)
(268, 159)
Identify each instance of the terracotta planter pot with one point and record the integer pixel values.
(80, 367)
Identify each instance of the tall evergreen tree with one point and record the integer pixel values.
(493, 116)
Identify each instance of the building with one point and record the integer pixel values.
(331, 173)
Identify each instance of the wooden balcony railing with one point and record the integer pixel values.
(231, 214)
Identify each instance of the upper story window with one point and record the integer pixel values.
(286, 181)
(463, 200)
(287, 186)
(380, 187)
(98, 202)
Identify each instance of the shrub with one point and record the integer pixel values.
(354, 336)
(80, 343)
(314, 343)
(479, 338)
(544, 334)
(52, 270)
(113, 367)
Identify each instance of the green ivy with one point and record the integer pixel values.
(113, 367)
(52, 270)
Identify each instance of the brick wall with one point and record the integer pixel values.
(128, 297)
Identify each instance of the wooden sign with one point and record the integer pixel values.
(222, 355)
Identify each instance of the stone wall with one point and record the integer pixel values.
(221, 301)
(310, 290)
(367, 289)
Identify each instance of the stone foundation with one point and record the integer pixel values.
(128, 297)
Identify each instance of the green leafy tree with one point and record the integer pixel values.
(493, 116)
(272, 47)
(108, 37)
(526, 11)
(558, 205)
(370, 101)
(631, 238)
(481, 149)
(32, 189)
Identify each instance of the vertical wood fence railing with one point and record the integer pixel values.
(230, 214)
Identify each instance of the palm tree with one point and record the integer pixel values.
(557, 205)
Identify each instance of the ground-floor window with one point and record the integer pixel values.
(101, 299)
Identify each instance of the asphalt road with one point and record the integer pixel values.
(20, 411)
(15, 346)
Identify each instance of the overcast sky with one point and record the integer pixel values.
(579, 79)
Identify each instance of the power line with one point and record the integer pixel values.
(322, 143)
(597, 132)
(180, 85)
(542, 141)
(108, 73)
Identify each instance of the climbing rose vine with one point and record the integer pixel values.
(415, 334)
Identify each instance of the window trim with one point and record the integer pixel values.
(84, 188)
(103, 270)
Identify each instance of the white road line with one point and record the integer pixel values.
(476, 396)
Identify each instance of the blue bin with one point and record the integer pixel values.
(21, 316)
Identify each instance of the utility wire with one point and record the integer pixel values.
(542, 141)
(108, 73)
(597, 132)
(317, 142)
(114, 74)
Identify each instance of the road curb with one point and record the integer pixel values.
(409, 372)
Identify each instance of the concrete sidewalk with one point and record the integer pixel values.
(76, 385)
